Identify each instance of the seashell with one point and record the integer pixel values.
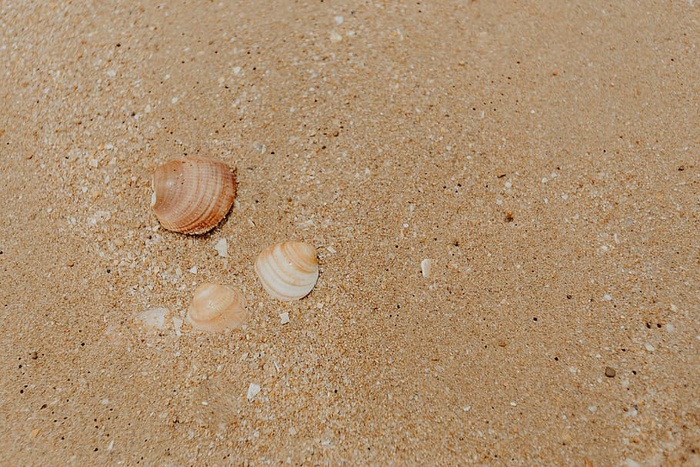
(192, 195)
(288, 270)
(216, 308)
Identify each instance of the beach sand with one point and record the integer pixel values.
(543, 155)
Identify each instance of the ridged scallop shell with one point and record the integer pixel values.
(288, 270)
(192, 195)
(216, 308)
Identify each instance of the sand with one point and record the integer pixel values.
(544, 155)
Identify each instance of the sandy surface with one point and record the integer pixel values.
(545, 155)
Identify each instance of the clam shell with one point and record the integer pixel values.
(192, 195)
(216, 308)
(288, 270)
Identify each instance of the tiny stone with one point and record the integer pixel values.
(34, 355)
(426, 267)
(610, 372)
(222, 248)
(253, 391)
(335, 37)
(284, 318)
(649, 347)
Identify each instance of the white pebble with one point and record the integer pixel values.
(338, 20)
(284, 318)
(222, 248)
(426, 267)
(253, 391)
(335, 37)
(649, 347)
(607, 297)
(193, 269)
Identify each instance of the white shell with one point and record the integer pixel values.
(216, 308)
(288, 270)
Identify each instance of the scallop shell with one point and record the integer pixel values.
(288, 270)
(216, 308)
(192, 195)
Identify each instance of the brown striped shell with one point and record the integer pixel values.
(192, 195)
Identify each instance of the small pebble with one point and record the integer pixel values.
(426, 267)
(222, 248)
(335, 37)
(610, 372)
(284, 318)
(253, 391)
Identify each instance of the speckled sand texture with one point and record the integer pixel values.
(543, 155)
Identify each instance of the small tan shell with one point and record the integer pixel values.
(216, 308)
(288, 270)
(192, 195)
